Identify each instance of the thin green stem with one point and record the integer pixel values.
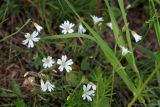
(5, 38)
(112, 86)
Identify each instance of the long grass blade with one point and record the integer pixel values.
(130, 58)
(72, 35)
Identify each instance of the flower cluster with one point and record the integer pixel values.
(48, 63)
(64, 64)
(67, 27)
(88, 91)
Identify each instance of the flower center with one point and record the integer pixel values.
(47, 60)
(85, 92)
(30, 37)
(67, 28)
(63, 64)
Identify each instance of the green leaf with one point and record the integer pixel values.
(85, 64)
(16, 88)
(20, 103)
(65, 36)
(73, 78)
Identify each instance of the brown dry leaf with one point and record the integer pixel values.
(29, 82)
(75, 67)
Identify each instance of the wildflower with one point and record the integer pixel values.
(136, 36)
(93, 86)
(48, 62)
(128, 6)
(81, 29)
(67, 27)
(96, 19)
(30, 38)
(64, 63)
(87, 93)
(124, 50)
(109, 25)
(38, 27)
(47, 86)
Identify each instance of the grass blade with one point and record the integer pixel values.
(65, 36)
(130, 58)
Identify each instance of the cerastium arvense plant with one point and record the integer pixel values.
(99, 92)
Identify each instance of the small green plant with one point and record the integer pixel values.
(72, 57)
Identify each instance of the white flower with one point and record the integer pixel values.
(110, 25)
(93, 86)
(87, 93)
(136, 36)
(67, 27)
(96, 19)
(128, 6)
(81, 29)
(48, 62)
(38, 27)
(124, 50)
(64, 63)
(30, 38)
(47, 86)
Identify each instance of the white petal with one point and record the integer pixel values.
(44, 60)
(27, 35)
(61, 68)
(35, 34)
(69, 62)
(50, 88)
(64, 31)
(89, 98)
(30, 44)
(109, 25)
(71, 25)
(43, 86)
(94, 87)
(88, 87)
(84, 96)
(84, 87)
(24, 42)
(45, 65)
(64, 58)
(59, 61)
(36, 39)
(68, 68)
(61, 27)
(70, 31)
(49, 65)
